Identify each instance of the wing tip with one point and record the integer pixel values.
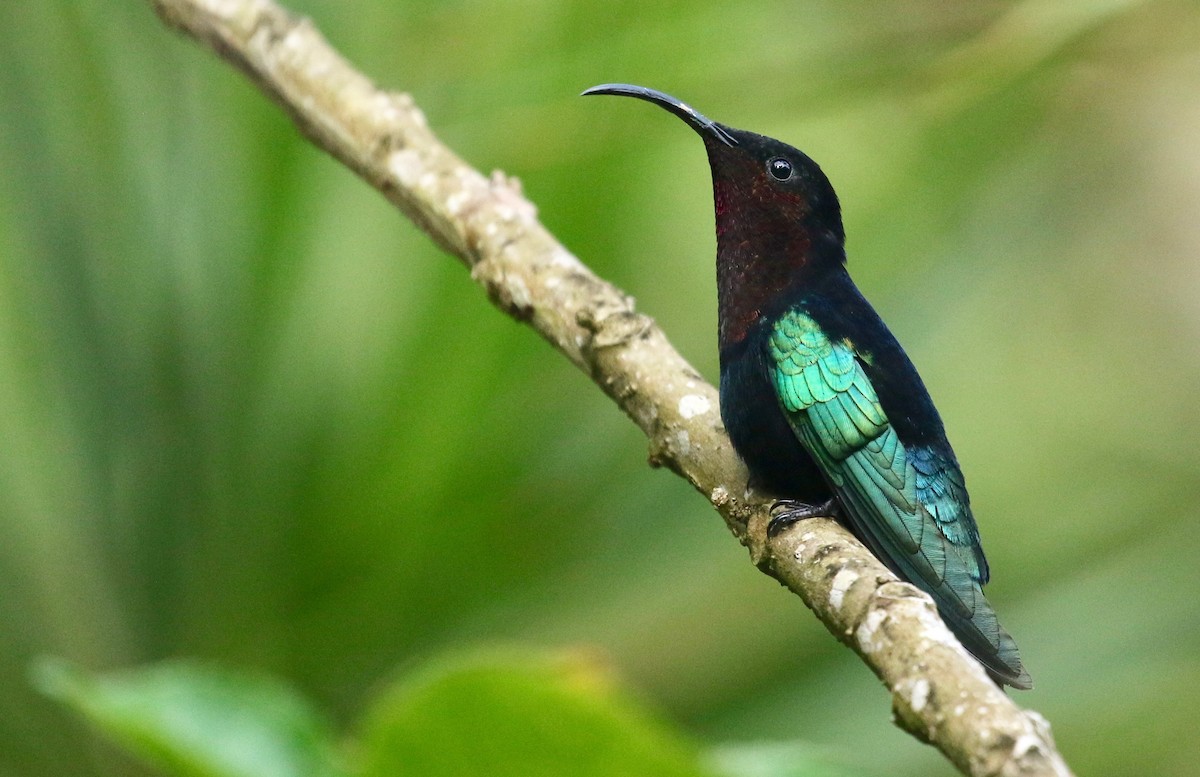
(1004, 665)
(1014, 676)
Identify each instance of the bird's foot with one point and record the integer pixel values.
(786, 512)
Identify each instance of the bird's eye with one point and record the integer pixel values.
(780, 168)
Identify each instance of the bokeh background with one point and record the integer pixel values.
(249, 414)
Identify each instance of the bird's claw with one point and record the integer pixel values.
(786, 512)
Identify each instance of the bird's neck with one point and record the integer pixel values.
(759, 271)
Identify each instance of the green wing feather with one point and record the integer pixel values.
(908, 503)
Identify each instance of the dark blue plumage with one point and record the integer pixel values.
(818, 397)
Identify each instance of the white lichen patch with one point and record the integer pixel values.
(386, 106)
(564, 258)
(867, 633)
(499, 180)
(933, 631)
(919, 696)
(692, 405)
(455, 202)
(404, 102)
(405, 166)
(805, 538)
(681, 442)
(226, 9)
(842, 582)
(719, 496)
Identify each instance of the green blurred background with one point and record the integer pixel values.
(249, 414)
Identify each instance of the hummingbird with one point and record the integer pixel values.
(819, 399)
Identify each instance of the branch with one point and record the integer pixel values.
(939, 693)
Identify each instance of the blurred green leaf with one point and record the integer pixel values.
(778, 759)
(199, 722)
(501, 713)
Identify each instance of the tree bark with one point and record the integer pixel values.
(940, 694)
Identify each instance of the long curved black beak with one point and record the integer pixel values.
(698, 121)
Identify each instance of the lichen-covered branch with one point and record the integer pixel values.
(940, 694)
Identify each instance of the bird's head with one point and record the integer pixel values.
(779, 225)
(760, 184)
